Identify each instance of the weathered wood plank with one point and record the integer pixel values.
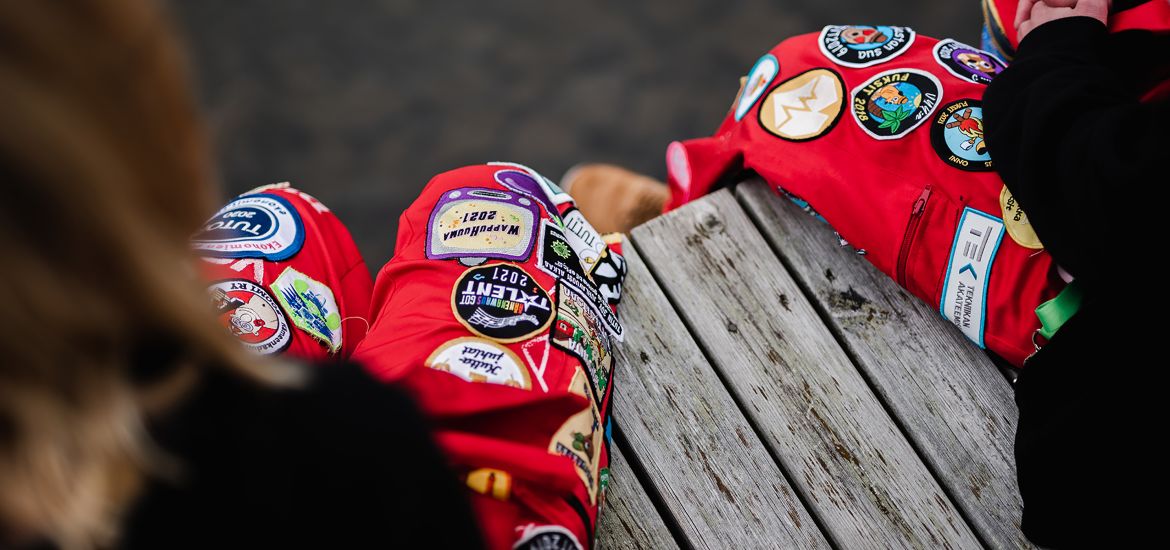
(951, 400)
(713, 474)
(856, 470)
(629, 520)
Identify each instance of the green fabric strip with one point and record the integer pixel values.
(1056, 312)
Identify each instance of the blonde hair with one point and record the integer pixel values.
(105, 173)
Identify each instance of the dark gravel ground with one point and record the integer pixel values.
(360, 102)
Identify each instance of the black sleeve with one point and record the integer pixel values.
(1075, 146)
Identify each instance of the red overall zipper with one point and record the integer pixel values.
(911, 232)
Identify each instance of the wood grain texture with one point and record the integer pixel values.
(629, 520)
(714, 475)
(951, 400)
(854, 467)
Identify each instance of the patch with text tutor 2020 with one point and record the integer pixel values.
(310, 305)
(483, 361)
(864, 45)
(255, 226)
(502, 302)
(251, 314)
(964, 299)
(474, 224)
(967, 62)
(891, 104)
(805, 106)
(957, 136)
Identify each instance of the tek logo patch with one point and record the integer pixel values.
(473, 224)
(957, 136)
(964, 300)
(502, 302)
(864, 45)
(251, 314)
(762, 73)
(805, 106)
(479, 360)
(891, 104)
(310, 305)
(967, 62)
(255, 226)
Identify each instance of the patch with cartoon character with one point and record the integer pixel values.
(860, 46)
(483, 361)
(762, 73)
(967, 62)
(501, 302)
(805, 106)
(310, 306)
(891, 104)
(251, 314)
(580, 439)
(957, 136)
(473, 224)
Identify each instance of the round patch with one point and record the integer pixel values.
(758, 79)
(805, 106)
(957, 136)
(891, 104)
(967, 62)
(1016, 221)
(479, 360)
(864, 45)
(255, 226)
(501, 302)
(546, 537)
(251, 314)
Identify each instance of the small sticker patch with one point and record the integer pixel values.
(964, 300)
(557, 258)
(957, 136)
(255, 226)
(310, 305)
(609, 273)
(891, 104)
(501, 302)
(762, 73)
(522, 182)
(479, 360)
(546, 537)
(580, 439)
(805, 106)
(251, 314)
(476, 224)
(967, 62)
(860, 46)
(1016, 221)
(579, 331)
(584, 239)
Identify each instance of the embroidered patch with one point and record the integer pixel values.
(255, 226)
(494, 483)
(251, 314)
(501, 302)
(479, 360)
(522, 182)
(609, 273)
(546, 537)
(957, 136)
(864, 45)
(805, 106)
(553, 191)
(1016, 221)
(580, 439)
(584, 239)
(557, 258)
(578, 331)
(964, 300)
(310, 305)
(891, 104)
(762, 73)
(967, 62)
(474, 224)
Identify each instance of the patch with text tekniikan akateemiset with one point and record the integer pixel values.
(502, 302)
(473, 224)
(891, 104)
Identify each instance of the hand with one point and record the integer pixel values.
(1033, 13)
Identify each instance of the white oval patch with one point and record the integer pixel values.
(480, 360)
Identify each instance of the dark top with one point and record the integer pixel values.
(347, 462)
(1085, 158)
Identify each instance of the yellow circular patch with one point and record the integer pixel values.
(805, 106)
(1016, 221)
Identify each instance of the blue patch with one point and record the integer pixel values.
(255, 226)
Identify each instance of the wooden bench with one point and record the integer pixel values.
(777, 391)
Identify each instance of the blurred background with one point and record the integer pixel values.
(360, 102)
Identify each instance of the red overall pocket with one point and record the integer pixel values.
(923, 254)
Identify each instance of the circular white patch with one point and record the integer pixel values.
(480, 360)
